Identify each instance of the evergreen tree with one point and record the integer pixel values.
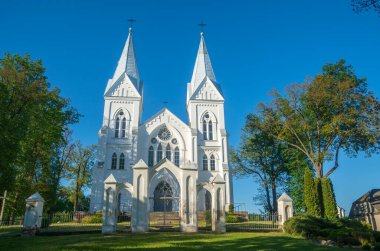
(329, 202)
(310, 195)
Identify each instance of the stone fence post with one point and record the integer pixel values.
(285, 208)
(33, 213)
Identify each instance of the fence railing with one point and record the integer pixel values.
(69, 222)
(254, 222)
(11, 226)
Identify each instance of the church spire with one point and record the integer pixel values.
(127, 62)
(202, 67)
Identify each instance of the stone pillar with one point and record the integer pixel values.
(33, 213)
(109, 205)
(140, 213)
(285, 208)
(218, 205)
(188, 208)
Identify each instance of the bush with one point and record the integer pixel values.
(92, 219)
(342, 231)
(376, 246)
(208, 217)
(232, 218)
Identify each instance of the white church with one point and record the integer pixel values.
(163, 163)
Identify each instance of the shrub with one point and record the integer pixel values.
(366, 246)
(232, 218)
(92, 219)
(208, 217)
(376, 246)
(342, 231)
(231, 208)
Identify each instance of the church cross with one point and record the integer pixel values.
(131, 21)
(202, 25)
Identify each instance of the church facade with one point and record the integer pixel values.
(163, 163)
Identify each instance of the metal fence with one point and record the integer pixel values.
(253, 222)
(11, 226)
(80, 222)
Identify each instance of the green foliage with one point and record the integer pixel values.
(34, 120)
(262, 156)
(92, 219)
(330, 113)
(233, 218)
(231, 208)
(342, 231)
(208, 217)
(311, 195)
(329, 202)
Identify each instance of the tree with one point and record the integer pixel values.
(365, 5)
(330, 113)
(310, 195)
(34, 119)
(263, 156)
(79, 172)
(333, 112)
(329, 202)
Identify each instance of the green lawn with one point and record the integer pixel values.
(162, 241)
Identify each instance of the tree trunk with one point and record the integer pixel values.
(274, 195)
(267, 194)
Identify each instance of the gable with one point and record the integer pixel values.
(167, 117)
(123, 87)
(207, 90)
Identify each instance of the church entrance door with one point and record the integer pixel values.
(165, 215)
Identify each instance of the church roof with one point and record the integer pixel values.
(202, 67)
(127, 65)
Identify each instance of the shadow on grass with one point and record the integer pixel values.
(163, 241)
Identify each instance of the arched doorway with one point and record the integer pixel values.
(163, 197)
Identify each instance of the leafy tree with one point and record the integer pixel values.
(310, 195)
(331, 113)
(34, 120)
(79, 172)
(365, 5)
(329, 202)
(262, 156)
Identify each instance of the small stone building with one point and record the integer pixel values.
(367, 208)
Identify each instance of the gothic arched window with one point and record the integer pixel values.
(123, 126)
(159, 153)
(117, 124)
(204, 129)
(168, 152)
(208, 127)
(210, 136)
(121, 161)
(114, 161)
(205, 162)
(212, 163)
(176, 156)
(151, 156)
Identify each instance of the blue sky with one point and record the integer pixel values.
(255, 46)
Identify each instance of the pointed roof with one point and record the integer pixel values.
(35, 197)
(218, 179)
(127, 64)
(140, 165)
(285, 197)
(202, 67)
(110, 180)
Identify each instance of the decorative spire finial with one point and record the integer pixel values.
(131, 20)
(202, 25)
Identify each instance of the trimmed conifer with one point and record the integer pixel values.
(329, 202)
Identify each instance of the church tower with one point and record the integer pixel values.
(205, 108)
(117, 138)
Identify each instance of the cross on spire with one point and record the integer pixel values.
(131, 21)
(202, 25)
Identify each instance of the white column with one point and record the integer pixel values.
(109, 205)
(140, 213)
(33, 213)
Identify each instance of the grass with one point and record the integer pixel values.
(162, 241)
